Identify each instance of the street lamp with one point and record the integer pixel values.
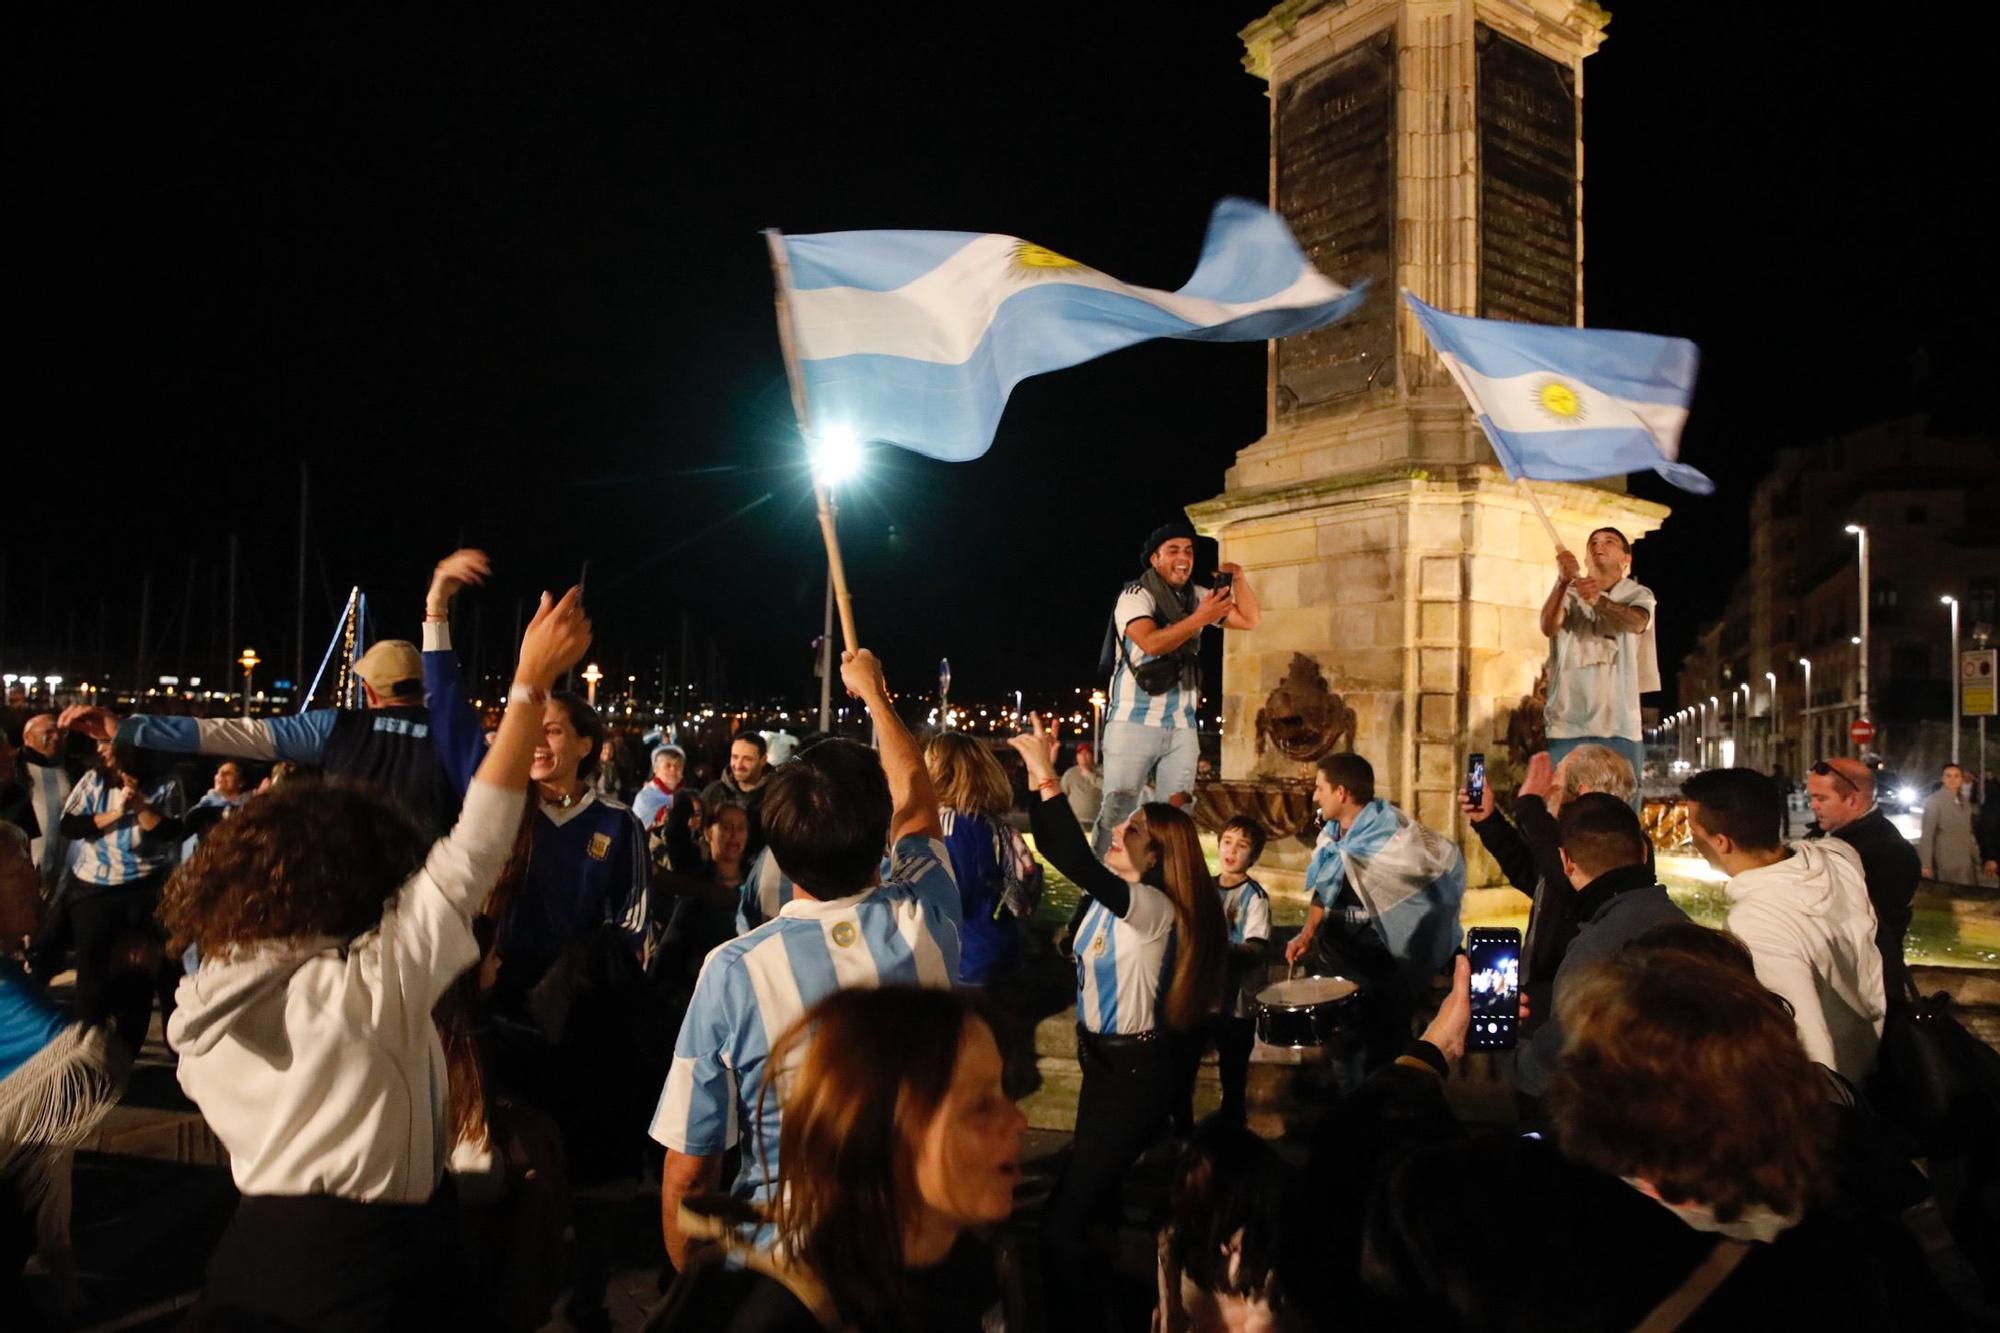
(591, 675)
(835, 457)
(1805, 715)
(1951, 666)
(1771, 728)
(1860, 534)
(248, 661)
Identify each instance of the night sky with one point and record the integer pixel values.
(500, 280)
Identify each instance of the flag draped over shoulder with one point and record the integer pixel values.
(1565, 404)
(917, 337)
(1410, 878)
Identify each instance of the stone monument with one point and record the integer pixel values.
(1433, 145)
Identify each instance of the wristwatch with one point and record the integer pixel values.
(520, 692)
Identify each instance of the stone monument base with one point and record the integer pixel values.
(1400, 621)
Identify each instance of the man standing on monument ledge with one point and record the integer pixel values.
(1152, 649)
(1601, 652)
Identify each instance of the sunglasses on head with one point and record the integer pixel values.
(1825, 770)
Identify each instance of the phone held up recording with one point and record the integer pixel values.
(1495, 955)
(1475, 779)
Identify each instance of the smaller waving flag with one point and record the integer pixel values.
(916, 338)
(1565, 404)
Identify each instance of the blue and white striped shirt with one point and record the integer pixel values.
(123, 852)
(1247, 909)
(1128, 702)
(1123, 963)
(904, 932)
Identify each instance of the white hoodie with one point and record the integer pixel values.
(1811, 931)
(315, 1062)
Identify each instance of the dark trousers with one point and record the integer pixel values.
(1128, 1094)
(1232, 1038)
(98, 920)
(318, 1262)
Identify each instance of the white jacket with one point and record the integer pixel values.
(315, 1062)
(1811, 930)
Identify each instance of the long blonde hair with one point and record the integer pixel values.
(1201, 936)
(969, 780)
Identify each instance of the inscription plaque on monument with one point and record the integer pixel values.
(1337, 188)
(1527, 184)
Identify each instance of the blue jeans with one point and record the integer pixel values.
(1633, 751)
(1133, 753)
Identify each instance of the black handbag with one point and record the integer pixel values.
(1934, 1079)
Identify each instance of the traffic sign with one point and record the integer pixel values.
(1861, 731)
(1978, 673)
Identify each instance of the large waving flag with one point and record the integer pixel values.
(917, 337)
(1564, 404)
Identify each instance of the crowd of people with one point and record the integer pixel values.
(452, 995)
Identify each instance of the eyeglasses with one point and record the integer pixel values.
(1822, 769)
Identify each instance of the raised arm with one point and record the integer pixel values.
(1244, 611)
(455, 730)
(298, 737)
(915, 800)
(433, 929)
(1058, 837)
(1552, 605)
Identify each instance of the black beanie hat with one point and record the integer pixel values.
(1160, 536)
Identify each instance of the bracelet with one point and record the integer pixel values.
(1049, 784)
(520, 692)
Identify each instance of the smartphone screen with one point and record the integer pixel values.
(1496, 988)
(1225, 579)
(1475, 778)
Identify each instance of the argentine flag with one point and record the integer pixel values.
(917, 337)
(1563, 404)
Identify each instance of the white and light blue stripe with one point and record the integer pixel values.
(1123, 964)
(122, 853)
(753, 988)
(1566, 404)
(916, 338)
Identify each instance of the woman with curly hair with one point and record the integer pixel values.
(327, 929)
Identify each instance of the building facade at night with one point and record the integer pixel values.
(1930, 504)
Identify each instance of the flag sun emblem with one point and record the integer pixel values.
(1560, 401)
(843, 933)
(1034, 259)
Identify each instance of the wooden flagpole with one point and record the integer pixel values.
(781, 278)
(1542, 514)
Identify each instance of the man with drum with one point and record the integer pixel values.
(1384, 913)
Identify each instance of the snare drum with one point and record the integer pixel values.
(1305, 1012)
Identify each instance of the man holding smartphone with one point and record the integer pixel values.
(1607, 863)
(1602, 655)
(1154, 646)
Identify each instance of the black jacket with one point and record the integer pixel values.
(1890, 865)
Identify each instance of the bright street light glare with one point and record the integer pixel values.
(1854, 528)
(836, 455)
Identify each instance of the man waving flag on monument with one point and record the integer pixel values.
(916, 338)
(1565, 404)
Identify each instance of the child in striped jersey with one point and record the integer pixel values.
(1246, 908)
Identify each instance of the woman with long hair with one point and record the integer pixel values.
(1149, 968)
(899, 1146)
(327, 928)
(974, 797)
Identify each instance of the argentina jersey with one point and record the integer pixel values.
(1247, 910)
(755, 987)
(1122, 963)
(1128, 701)
(122, 853)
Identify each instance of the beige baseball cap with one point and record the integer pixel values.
(388, 664)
